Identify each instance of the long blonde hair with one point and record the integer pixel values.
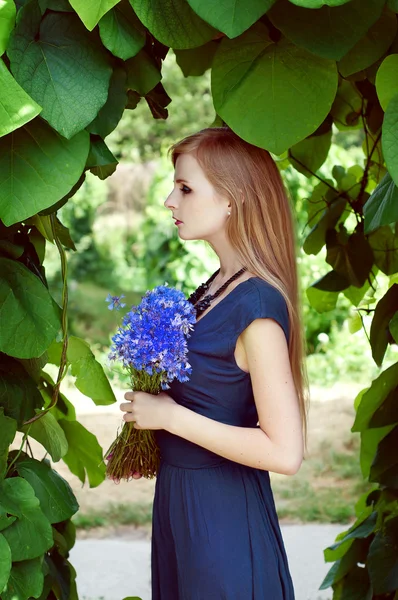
(260, 227)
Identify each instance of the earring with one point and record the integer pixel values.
(229, 212)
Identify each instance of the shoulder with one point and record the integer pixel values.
(263, 300)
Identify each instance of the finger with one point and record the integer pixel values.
(128, 417)
(129, 396)
(126, 406)
(137, 475)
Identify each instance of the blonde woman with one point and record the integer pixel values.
(215, 532)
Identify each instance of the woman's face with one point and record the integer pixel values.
(195, 202)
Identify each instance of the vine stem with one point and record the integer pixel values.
(12, 463)
(64, 323)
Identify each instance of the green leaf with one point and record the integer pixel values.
(19, 395)
(318, 3)
(380, 335)
(371, 47)
(30, 535)
(29, 314)
(121, 31)
(84, 456)
(7, 21)
(381, 208)
(57, 500)
(342, 566)
(8, 428)
(309, 155)
(329, 219)
(347, 106)
(196, 61)
(5, 556)
(386, 80)
(385, 461)
(329, 32)
(350, 256)
(16, 107)
(271, 95)
(173, 23)
(90, 377)
(362, 528)
(355, 585)
(370, 439)
(26, 580)
(49, 434)
(91, 11)
(37, 168)
(142, 73)
(232, 17)
(384, 243)
(61, 66)
(101, 161)
(390, 138)
(375, 396)
(387, 413)
(112, 111)
(383, 558)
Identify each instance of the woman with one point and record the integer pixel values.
(243, 412)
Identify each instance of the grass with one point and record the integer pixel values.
(114, 515)
(325, 489)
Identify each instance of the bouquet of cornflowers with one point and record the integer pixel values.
(152, 346)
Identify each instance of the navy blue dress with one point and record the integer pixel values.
(215, 531)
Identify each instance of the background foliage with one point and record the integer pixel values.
(285, 75)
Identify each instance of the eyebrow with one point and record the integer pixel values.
(181, 181)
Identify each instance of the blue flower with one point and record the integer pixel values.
(114, 302)
(153, 336)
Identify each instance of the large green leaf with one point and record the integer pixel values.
(84, 456)
(384, 243)
(362, 528)
(232, 17)
(309, 155)
(173, 22)
(272, 95)
(387, 413)
(16, 107)
(383, 558)
(100, 160)
(5, 558)
(37, 168)
(30, 317)
(196, 61)
(26, 581)
(112, 111)
(329, 32)
(91, 11)
(7, 22)
(381, 208)
(57, 500)
(342, 566)
(30, 535)
(371, 47)
(121, 31)
(370, 439)
(380, 335)
(61, 66)
(8, 428)
(19, 395)
(375, 396)
(50, 435)
(390, 138)
(347, 106)
(386, 80)
(142, 73)
(329, 219)
(384, 466)
(319, 3)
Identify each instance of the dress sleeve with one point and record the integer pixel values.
(262, 301)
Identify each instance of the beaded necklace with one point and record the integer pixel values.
(203, 304)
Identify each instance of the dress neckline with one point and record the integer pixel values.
(225, 298)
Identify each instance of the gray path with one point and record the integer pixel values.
(111, 569)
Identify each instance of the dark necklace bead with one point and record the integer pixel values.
(202, 305)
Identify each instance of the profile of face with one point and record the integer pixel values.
(194, 201)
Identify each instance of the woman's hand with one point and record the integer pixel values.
(148, 411)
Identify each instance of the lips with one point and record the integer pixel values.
(177, 221)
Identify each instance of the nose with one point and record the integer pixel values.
(170, 201)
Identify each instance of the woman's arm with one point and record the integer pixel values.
(278, 444)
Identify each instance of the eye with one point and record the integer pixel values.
(185, 189)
